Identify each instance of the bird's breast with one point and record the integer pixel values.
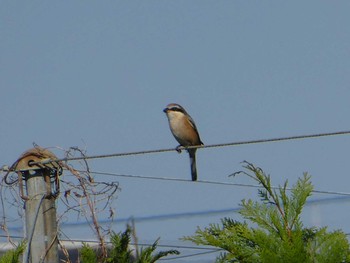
(183, 132)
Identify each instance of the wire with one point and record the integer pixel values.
(209, 182)
(207, 249)
(191, 255)
(147, 244)
(201, 213)
(102, 156)
(140, 244)
(173, 216)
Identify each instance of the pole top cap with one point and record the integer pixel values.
(35, 155)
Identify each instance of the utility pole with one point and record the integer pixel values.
(39, 188)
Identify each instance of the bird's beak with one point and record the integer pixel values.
(165, 110)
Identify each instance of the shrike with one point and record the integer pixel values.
(185, 132)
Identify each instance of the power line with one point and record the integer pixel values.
(219, 145)
(209, 182)
(179, 215)
(131, 243)
(182, 215)
(206, 250)
(191, 255)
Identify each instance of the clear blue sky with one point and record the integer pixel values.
(97, 74)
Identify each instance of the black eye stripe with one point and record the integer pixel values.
(176, 109)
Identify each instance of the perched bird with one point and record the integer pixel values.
(185, 132)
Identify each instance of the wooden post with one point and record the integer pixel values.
(40, 214)
(39, 194)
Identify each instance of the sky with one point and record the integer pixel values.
(97, 75)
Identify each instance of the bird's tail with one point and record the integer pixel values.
(192, 153)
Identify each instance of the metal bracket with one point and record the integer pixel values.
(38, 162)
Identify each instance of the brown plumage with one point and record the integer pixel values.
(185, 132)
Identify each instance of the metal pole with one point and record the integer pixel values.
(40, 214)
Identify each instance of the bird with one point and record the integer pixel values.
(185, 132)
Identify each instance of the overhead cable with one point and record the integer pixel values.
(238, 143)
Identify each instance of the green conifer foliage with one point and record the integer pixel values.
(273, 230)
(12, 256)
(120, 252)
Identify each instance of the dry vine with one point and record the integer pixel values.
(80, 194)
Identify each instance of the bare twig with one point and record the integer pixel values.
(81, 194)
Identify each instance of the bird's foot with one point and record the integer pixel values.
(178, 149)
